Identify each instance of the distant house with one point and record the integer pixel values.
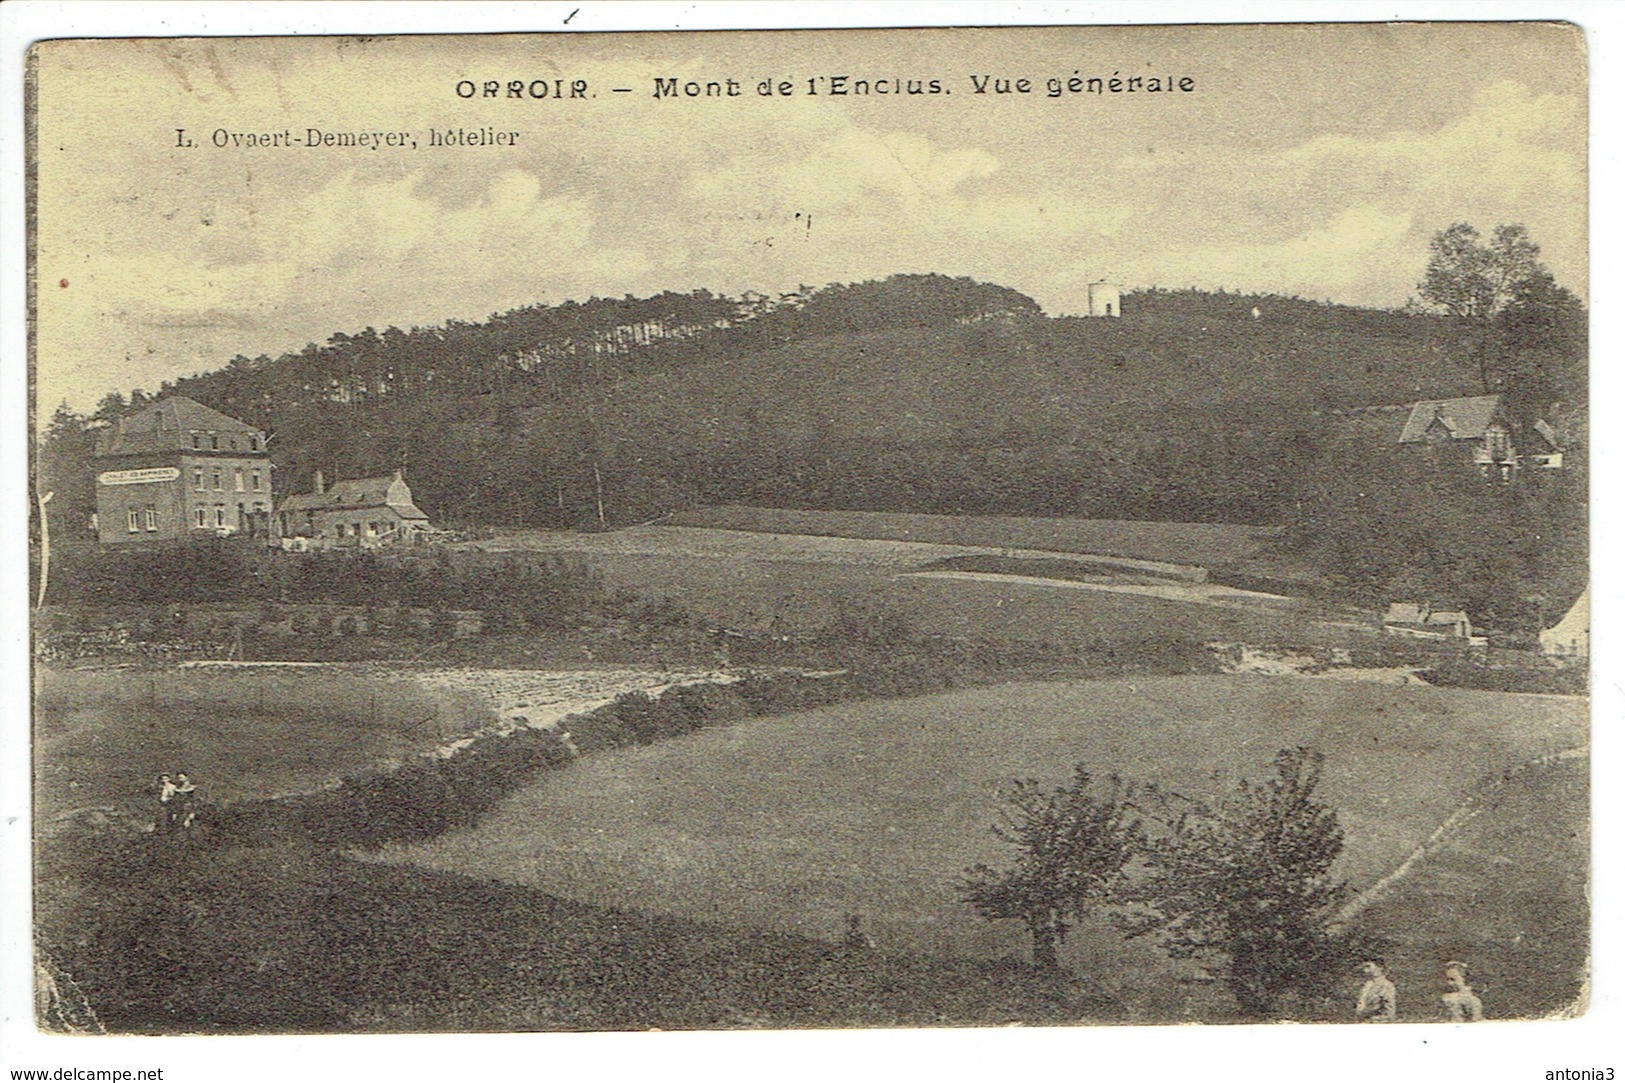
(177, 470)
(1481, 427)
(1570, 638)
(1419, 621)
(363, 513)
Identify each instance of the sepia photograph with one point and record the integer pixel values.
(808, 529)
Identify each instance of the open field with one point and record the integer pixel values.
(102, 737)
(1208, 544)
(797, 583)
(1505, 893)
(788, 824)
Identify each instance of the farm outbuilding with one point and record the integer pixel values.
(1421, 621)
(362, 513)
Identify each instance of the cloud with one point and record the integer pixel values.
(1360, 244)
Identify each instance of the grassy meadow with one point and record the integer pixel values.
(1506, 893)
(798, 583)
(787, 824)
(1207, 544)
(102, 737)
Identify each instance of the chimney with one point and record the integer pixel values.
(318, 486)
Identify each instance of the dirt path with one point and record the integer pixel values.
(1201, 593)
(1445, 831)
(541, 699)
(652, 540)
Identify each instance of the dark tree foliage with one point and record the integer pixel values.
(1243, 885)
(1072, 846)
(1473, 279)
(1542, 350)
(1387, 522)
(1523, 333)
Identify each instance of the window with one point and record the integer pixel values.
(214, 442)
(217, 481)
(239, 479)
(256, 481)
(135, 520)
(197, 441)
(219, 515)
(197, 480)
(152, 518)
(202, 518)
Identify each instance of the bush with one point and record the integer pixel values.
(1242, 884)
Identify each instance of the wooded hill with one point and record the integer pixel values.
(918, 392)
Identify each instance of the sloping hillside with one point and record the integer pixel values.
(916, 393)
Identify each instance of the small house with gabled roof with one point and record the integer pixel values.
(1480, 426)
(361, 513)
(1421, 621)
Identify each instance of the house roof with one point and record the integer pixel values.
(389, 492)
(166, 425)
(1405, 613)
(1464, 419)
(1446, 616)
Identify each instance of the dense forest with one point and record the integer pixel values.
(913, 393)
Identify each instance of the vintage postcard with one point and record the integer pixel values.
(810, 529)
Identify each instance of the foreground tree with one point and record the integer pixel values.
(1073, 845)
(1243, 885)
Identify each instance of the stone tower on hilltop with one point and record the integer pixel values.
(1105, 299)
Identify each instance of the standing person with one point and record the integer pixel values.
(856, 939)
(1460, 1001)
(1377, 995)
(166, 805)
(184, 805)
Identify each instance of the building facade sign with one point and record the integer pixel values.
(139, 477)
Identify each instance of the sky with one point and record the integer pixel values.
(1309, 160)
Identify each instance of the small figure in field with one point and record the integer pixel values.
(856, 939)
(185, 804)
(1377, 995)
(166, 805)
(1461, 1002)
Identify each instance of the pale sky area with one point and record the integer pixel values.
(1307, 160)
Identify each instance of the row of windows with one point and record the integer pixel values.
(233, 443)
(198, 486)
(373, 529)
(140, 519)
